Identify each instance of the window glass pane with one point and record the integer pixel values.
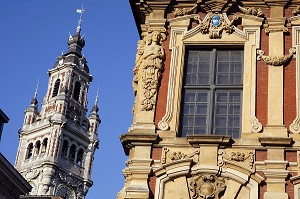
(212, 100)
(191, 79)
(200, 131)
(192, 67)
(193, 56)
(227, 112)
(190, 96)
(229, 68)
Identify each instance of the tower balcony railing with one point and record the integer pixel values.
(70, 165)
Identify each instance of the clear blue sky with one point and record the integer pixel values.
(33, 34)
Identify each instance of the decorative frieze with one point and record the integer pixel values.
(245, 158)
(149, 66)
(178, 155)
(215, 23)
(207, 187)
(276, 60)
(252, 11)
(174, 155)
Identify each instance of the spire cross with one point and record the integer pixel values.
(80, 11)
(36, 89)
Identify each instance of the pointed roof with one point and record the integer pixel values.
(76, 43)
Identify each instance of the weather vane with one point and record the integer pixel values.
(80, 11)
(36, 89)
(96, 101)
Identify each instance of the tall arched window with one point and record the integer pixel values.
(72, 153)
(76, 91)
(56, 87)
(37, 148)
(64, 151)
(44, 146)
(29, 151)
(79, 157)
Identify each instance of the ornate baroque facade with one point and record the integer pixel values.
(217, 105)
(57, 143)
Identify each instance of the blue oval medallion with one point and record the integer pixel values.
(215, 20)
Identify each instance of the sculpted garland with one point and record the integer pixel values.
(149, 66)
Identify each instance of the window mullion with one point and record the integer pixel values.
(211, 103)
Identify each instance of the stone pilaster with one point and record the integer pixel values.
(276, 28)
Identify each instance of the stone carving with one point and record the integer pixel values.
(214, 24)
(184, 11)
(252, 11)
(178, 155)
(235, 156)
(207, 187)
(277, 60)
(149, 66)
(69, 179)
(296, 11)
(32, 174)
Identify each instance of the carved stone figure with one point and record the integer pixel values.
(149, 66)
(184, 11)
(207, 187)
(238, 156)
(252, 11)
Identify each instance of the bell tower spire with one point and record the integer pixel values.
(57, 144)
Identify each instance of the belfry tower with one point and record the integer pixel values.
(57, 143)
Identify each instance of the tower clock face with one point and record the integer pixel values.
(65, 191)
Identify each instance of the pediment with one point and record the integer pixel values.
(215, 29)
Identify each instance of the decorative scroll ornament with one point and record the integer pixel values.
(184, 11)
(295, 126)
(207, 187)
(252, 11)
(296, 11)
(214, 24)
(150, 66)
(277, 60)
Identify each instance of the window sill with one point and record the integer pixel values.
(209, 139)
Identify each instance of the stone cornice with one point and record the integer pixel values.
(276, 141)
(129, 140)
